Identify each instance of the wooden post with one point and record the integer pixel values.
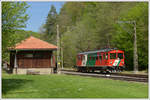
(62, 63)
(51, 58)
(58, 50)
(15, 63)
(135, 58)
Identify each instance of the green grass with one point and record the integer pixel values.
(67, 86)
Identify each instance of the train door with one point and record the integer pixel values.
(107, 61)
(84, 60)
(79, 60)
(104, 59)
(100, 58)
(88, 60)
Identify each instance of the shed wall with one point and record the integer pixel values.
(34, 59)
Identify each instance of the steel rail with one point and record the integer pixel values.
(114, 76)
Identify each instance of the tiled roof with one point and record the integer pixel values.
(33, 43)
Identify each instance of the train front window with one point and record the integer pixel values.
(78, 57)
(112, 55)
(120, 55)
(83, 57)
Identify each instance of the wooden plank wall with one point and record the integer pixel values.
(34, 59)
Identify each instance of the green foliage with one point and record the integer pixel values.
(50, 26)
(13, 18)
(68, 86)
(123, 37)
(88, 26)
(13, 15)
(20, 35)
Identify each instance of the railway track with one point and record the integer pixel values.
(114, 76)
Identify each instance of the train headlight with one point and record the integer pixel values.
(111, 62)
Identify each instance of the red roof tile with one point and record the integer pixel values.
(33, 43)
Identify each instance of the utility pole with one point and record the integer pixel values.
(61, 53)
(135, 50)
(58, 50)
(135, 57)
(62, 56)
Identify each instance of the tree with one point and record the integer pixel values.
(90, 30)
(93, 26)
(13, 18)
(123, 38)
(50, 25)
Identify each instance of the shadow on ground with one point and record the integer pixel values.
(12, 84)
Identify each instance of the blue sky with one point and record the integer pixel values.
(38, 12)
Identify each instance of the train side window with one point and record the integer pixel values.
(112, 55)
(100, 57)
(96, 57)
(103, 56)
(120, 55)
(106, 55)
(90, 57)
(93, 58)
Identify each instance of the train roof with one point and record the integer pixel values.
(101, 50)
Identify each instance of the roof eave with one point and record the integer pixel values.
(31, 49)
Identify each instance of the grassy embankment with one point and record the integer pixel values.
(67, 86)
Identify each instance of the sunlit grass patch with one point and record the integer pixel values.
(68, 86)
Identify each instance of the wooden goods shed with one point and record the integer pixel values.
(32, 54)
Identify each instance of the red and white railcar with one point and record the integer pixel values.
(104, 59)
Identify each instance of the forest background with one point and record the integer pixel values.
(83, 26)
